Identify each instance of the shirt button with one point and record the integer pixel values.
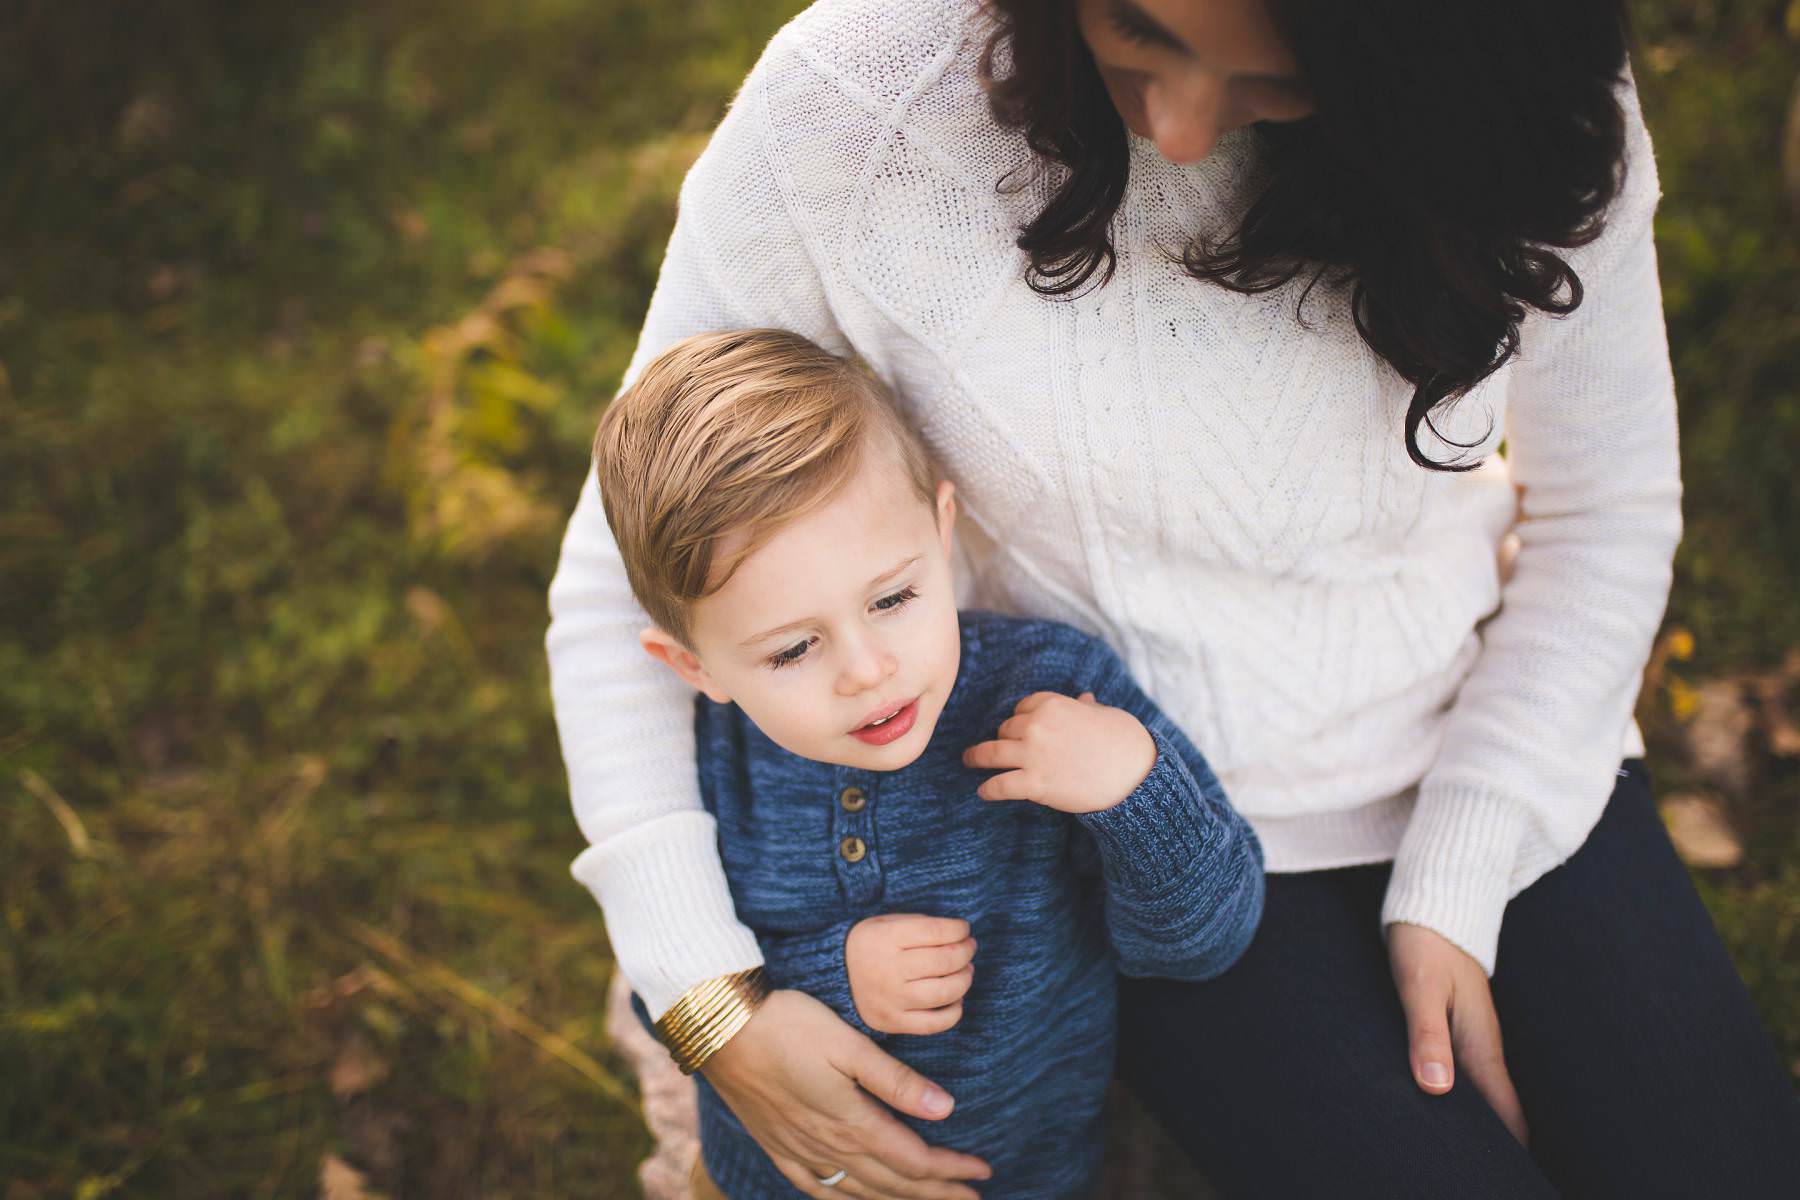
(853, 799)
(852, 849)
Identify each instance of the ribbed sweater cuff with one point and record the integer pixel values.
(669, 913)
(1453, 871)
(1155, 834)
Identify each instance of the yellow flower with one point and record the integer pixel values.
(1684, 701)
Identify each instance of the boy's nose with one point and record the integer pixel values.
(868, 665)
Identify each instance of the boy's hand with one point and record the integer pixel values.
(908, 973)
(1073, 755)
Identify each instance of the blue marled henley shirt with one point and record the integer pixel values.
(1167, 883)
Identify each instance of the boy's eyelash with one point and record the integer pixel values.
(793, 653)
(797, 651)
(903, 596)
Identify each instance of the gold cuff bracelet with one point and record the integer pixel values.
(709, 1014)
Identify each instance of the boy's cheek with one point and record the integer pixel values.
(794, 727)
(704, 682)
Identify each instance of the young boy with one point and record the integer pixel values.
(783, 528)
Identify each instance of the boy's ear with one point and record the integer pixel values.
(663, 646)
(946, 511)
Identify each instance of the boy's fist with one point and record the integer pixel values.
(1073, 755)
(908, 973)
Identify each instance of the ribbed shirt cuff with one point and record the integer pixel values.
(669, 913)
(1453, 871)
(814, 963)
(1154, 835)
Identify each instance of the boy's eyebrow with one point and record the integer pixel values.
(870, 586)
(887, 575)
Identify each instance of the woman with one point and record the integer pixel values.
(1218, 311)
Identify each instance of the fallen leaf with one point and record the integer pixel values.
(1773, 692)
(1719, 731)
(338, 1180)
(148, 119)
(331, 995)
(356, 1069)
(411, 225)
(1702, 835)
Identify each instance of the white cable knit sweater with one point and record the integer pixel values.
(1220, 493)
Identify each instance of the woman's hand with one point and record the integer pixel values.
(1448, 1004)
(792, 1076)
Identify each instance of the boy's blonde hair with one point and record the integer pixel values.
(738, 431)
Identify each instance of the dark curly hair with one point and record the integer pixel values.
(1455, 147)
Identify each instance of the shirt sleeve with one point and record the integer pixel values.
(1183, 871)
(1531, 744)
(736, 258)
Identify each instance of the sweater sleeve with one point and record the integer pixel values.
(736, 258)
(1531, 743)
(814, 963)
(1183, 871)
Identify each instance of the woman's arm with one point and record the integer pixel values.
(1531, 746)
(734, 260)
(799, 1078)
(628, 741)
(1532, 742)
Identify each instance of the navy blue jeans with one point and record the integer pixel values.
(1643, 1069)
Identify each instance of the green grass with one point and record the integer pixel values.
(304, 324)
(1718, 83)
(299, 372)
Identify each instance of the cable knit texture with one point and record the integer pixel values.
(1222, 494)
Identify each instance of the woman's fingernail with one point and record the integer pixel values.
(935, 1102)
(1435, 1074)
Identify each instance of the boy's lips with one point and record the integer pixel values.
(896, 720)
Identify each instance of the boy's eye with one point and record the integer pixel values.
(797, 651)
(793, 653)
(888, 603)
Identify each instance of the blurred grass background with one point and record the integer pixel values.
(306, 313)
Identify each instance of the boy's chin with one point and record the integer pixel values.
(901, 754)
